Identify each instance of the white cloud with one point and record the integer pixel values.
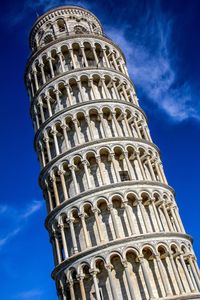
(152, 63)
(30, 294)
(9, 236)
(31, 209)
(151, 55)
(14, 220)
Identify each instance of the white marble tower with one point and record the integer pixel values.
(113, 220)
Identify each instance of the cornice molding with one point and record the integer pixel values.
(98, 249)
(104, 188)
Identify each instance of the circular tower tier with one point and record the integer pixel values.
(112, 218)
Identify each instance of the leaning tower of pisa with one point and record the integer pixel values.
(112, 218)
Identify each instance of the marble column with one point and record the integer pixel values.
(94, 273)
(51, 66)
(163, 275)
(85, 165)
(97, 220)
(71, 289)
(61, 227)
(111, 280)
(61, 173)
(82, 216)
(146, 277)
(129, 217)
(55, 189)
(82, 288)
(115, 226)
(84, 56)
(130, 283)
(72, 169)
(70, 221)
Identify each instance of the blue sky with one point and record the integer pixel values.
(161, 42)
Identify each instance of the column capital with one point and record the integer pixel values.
(125, 202)
(52, 178)
(157, 256)
(75, 120)
(87, 118)
(98, 158)
(110, 206)
(123, 115)
(141, 258)
(94, 271)
(125, 153)
(109, 267)
(70, 219)
(137, 152)
(139, 200)
(54, 131)
(95, 210)
(49, 57)
(125, 263)
(61, 226)
(85, 162)
(63, 125)
(66, 84)
(56, 91)
(161, 203)
(192, 257)
(61, 172)
(80, 277)
(100, 113)
(82, 215)
(40, 102)
(72, 167)
(151, 200)
(58, 52)
(34, 70)
(111, 155)
(41, 64)
(47, 97)
(46, 138)
(70, 282)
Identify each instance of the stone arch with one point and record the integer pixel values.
(105, 219)
(148, 253)
(146, 199)
(119, 277)
(122, 224)
(131, 256)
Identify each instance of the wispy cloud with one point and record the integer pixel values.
(153, 63)
(34, 207)
(30, 294)
(14, 220)
(9, 236)
(152, 57)
(39, 7)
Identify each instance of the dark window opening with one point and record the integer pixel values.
(61, 25)
(48, 38)
(124, 175)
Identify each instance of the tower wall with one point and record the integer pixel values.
(112, 218)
